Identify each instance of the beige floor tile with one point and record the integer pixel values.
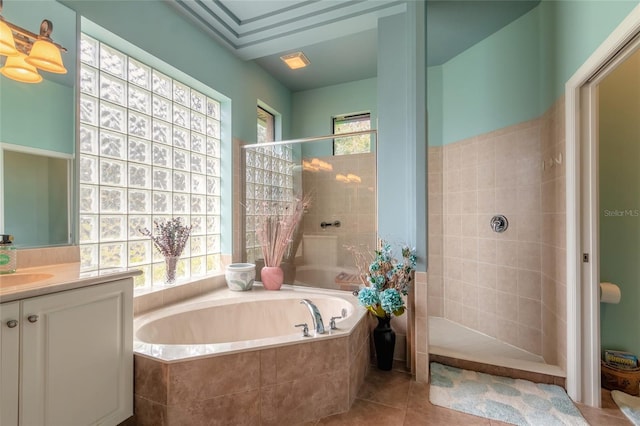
(595, 417)
(599, 417)
(441, 416)
(609, 406)
(390, 388)
(366, 413)
(418, 395)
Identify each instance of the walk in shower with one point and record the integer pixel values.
(494, 297)
(340, 218)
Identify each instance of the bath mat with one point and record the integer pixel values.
(629, 405)
(515, 401)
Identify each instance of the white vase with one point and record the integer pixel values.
(240, 276)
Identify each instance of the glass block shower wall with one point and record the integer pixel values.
(149, 150)
(269, 185)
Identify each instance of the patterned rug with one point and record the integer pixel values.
(515, 401)
(629, 405)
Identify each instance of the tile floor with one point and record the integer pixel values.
(393, 398)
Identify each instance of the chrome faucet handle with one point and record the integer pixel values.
(332, 323)
(305, 329)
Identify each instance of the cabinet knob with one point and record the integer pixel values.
(32, 318)
(12, 323)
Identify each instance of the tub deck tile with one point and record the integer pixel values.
(238, 409)
(358, 370)
(321, 356)
(267, 367)
(206, 378)
(150, 378)
(149, 413)
(306, 399)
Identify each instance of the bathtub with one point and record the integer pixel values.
(229, 321)
(241, 352)
(325, 276)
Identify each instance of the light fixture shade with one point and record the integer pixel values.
(46, 56)
(17, 69)
(7, 43)
(295, 60)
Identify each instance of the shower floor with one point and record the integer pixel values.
(450, 339)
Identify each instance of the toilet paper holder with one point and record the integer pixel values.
(610, 293)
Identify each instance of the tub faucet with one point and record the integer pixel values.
(318, 325)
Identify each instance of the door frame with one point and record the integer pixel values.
(583, 304)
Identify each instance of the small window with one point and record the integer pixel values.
(266, 126)
(352, 144)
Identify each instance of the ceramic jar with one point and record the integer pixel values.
(240, 276)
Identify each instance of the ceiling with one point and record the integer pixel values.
(340, 37)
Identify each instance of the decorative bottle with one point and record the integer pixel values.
(8, 255)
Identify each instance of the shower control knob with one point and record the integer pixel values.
(32, 318)
(12, 323)
(499, 223)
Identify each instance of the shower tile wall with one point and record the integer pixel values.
(338, 195)
(435, 292)
(507, 285)
(553, 238)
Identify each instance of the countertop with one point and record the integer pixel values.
(41, 280)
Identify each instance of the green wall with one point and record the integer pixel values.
(41, 115)
(619, 174)
(434, 105)
(313, 110)
(515, 74)
(493, 84)
(402, 139)
(572, 30)
(37, 115)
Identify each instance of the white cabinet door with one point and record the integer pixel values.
(9, 362)
(77, 356)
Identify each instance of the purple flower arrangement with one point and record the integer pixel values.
(170, 237)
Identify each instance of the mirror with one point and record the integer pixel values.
(35, 196)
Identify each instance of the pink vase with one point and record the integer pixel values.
(272, 277)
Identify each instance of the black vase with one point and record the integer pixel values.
(384, 339)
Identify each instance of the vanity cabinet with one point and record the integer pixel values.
(9, 362)
(67, 358)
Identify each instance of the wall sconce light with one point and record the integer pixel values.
(27, 52)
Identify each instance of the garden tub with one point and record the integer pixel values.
(240, 358)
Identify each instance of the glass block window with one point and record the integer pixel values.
(269, 186)
(149, 150)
